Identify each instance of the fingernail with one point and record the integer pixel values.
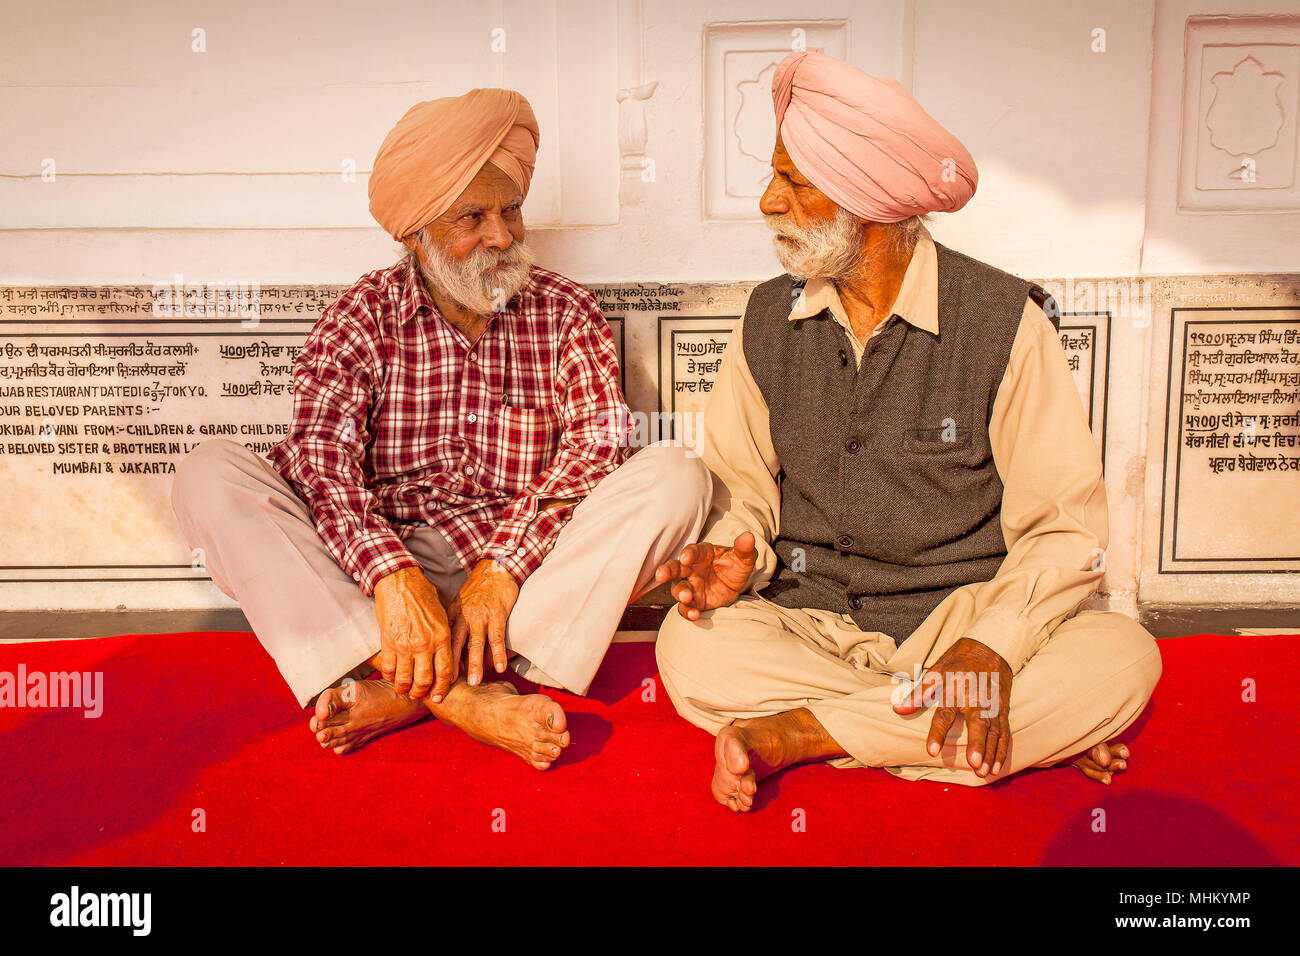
(933, 749)
(436, 698)
(555, 751)
(550, 721)
(501, 668)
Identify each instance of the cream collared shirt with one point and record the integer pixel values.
(1054, 517)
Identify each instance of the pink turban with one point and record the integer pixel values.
(865, 142)
(433, 152)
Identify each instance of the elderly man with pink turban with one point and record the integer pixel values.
(908, 504)
(456, 480)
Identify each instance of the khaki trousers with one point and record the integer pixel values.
(260, 546)
(1089, 677)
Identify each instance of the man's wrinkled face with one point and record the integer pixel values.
(815, 237)
(475, 251)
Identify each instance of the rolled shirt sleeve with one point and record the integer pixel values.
(322, 456)
(1054, 514)
(736, 445)
(590, 402)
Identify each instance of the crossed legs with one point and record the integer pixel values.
(781, 686)
(258, 542)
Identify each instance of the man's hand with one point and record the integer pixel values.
(414, 635)
(708, 576)
(973, 680)
(479, 615)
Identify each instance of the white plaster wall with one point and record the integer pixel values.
(1058, 131)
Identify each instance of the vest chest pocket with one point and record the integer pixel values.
(947, 436)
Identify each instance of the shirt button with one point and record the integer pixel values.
(855, 602)
(472, 418)
(852, 446)
(521, 552)
(844, 357)
(473, 357)
(844, 541)
(469, 471)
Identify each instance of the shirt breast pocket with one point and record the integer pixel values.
(525, 440)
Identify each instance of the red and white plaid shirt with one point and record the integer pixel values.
(398, 419)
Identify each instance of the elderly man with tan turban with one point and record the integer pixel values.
(456, 480)
(908, 505)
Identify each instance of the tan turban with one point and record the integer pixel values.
(438, 147)
(865, 141)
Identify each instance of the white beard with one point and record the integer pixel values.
(827, 250)
(472, 282)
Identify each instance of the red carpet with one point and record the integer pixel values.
(203, 722)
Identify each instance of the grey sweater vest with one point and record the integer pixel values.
(890, 499)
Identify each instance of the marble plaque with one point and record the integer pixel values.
(98, 405)
(1232, 442)
(1085, 338)
(690, 357)
(640, 308)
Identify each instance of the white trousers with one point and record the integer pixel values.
(260, 546)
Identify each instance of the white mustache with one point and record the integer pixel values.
(782, 228)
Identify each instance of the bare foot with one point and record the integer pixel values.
(746, 751)
(1102, 761)
(351, 715)
(735, 781)
(532, 727)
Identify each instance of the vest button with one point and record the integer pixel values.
(852, 446)
(844, 357)
(855, 602)
(844, 541)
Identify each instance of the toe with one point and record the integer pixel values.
(551, 715)
(1094, 770)
(326, 705)
(546, 750)
(545, 736)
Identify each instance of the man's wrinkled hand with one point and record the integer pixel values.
(414, 635)
(973, 680)
(479, 616)
(707, 576)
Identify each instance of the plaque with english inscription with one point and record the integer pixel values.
(97, 410)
